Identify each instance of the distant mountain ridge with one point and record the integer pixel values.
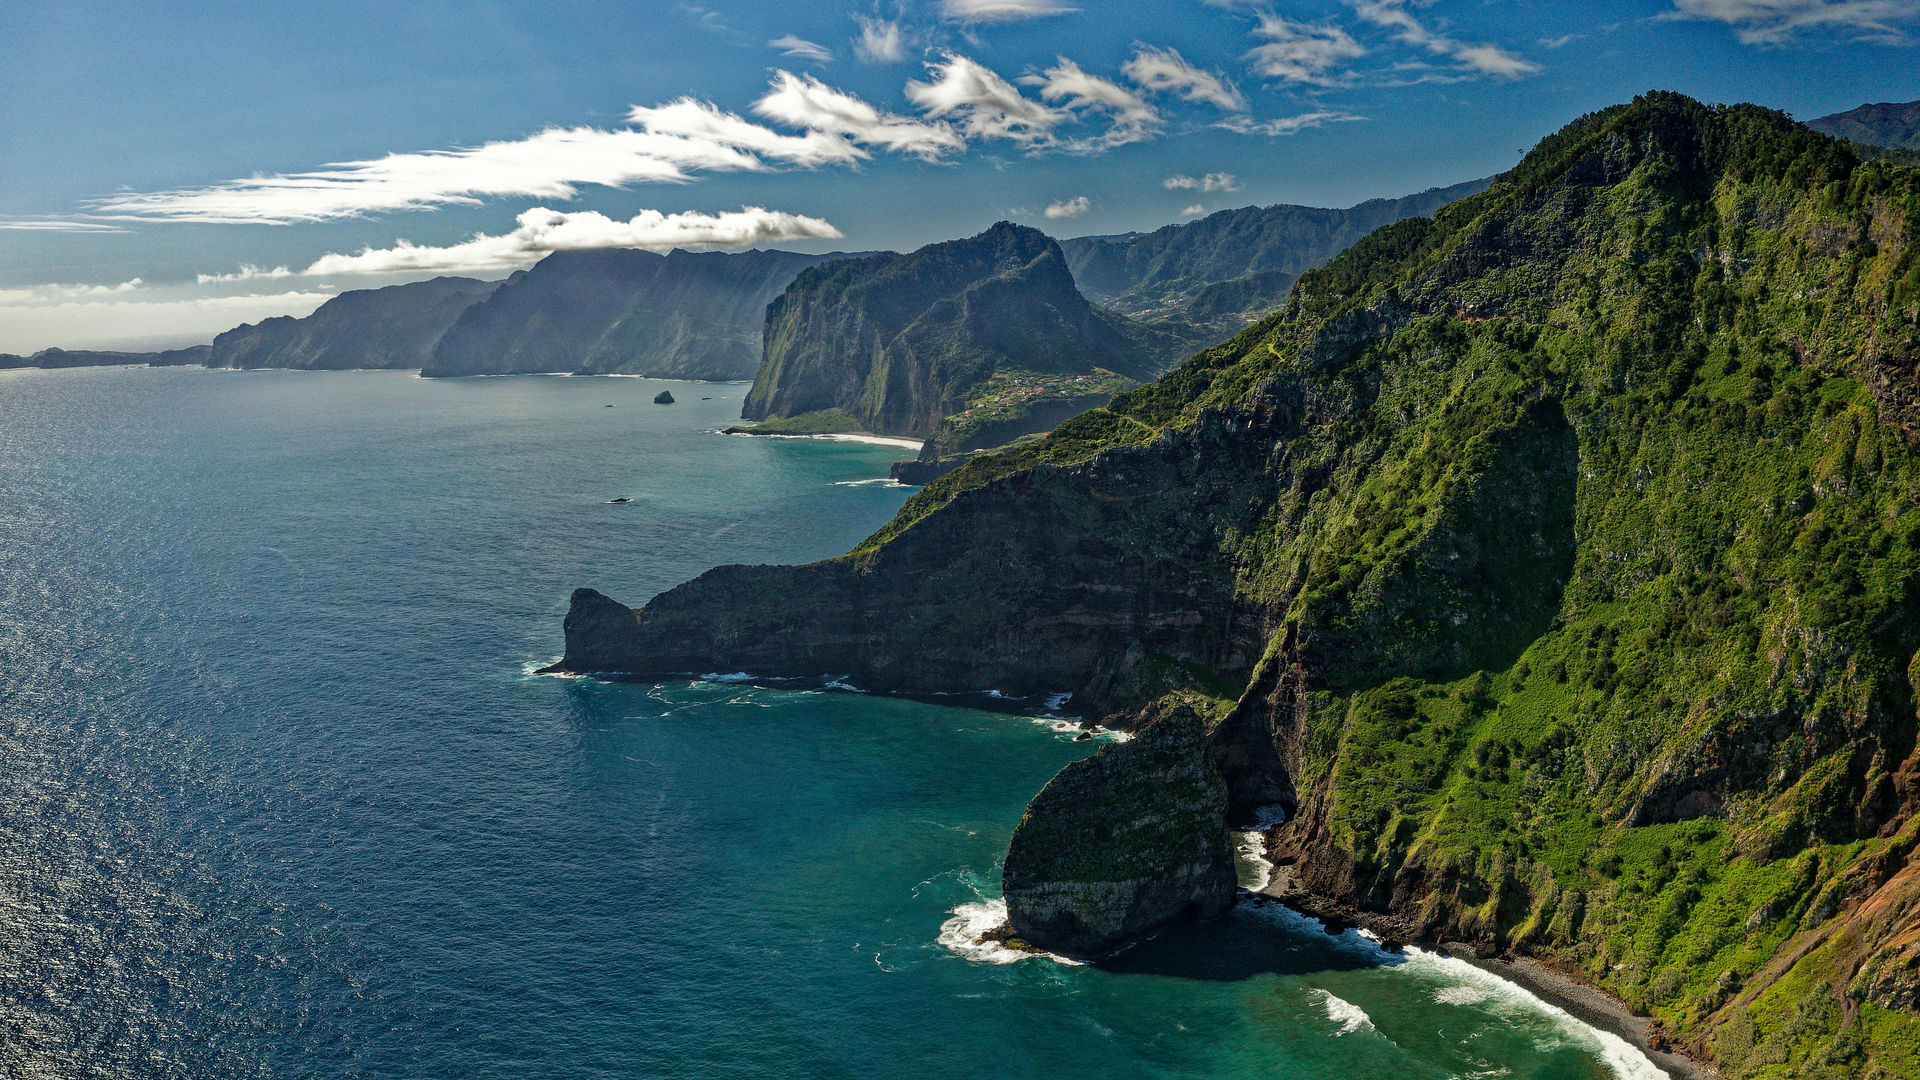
(703, 315)
(66, 358)
(1234, 262)
(683, 315)
(393, 327)
(900, 344)
(1887, 123)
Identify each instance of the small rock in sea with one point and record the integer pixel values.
(621, 499)
(706, 399)
(1083, 736)
(664, 397)
(606, 406)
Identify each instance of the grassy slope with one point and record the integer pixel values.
(1697, 765)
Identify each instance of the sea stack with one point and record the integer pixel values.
(664, 397)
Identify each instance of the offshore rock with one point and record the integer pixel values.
(1122, 843)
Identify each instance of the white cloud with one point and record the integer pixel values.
(27, 325)
(667, 143)
(805, 102)
(984, 105)
(881, 41)
(1001, 10)
(1301, 52)
(542, 231)
(722, 135)
(1194, 211)
(1392, 15)
(1286, 125)
(1133, 119)
(248, 272)
(1068, 208)
(1209, 183)
(36, 295)
(54, 225)
(1780, 22)
(1156, 70)
(802, 48)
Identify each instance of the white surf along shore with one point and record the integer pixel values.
(976, 932)
(871, 440)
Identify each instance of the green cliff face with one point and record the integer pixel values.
(394, 327)
(1556, 560)
(986, 334)
(683, 315)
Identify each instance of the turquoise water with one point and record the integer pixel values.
(278, 798)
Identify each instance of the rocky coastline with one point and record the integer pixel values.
(1554, 578)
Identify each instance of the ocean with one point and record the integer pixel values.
(280, 796)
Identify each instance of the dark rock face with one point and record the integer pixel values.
(1121, 843)
(1022, 585)
(394, 327)
(664, 397)
(683, 315)
(899, 342)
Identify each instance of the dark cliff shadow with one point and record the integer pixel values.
(1258, 937)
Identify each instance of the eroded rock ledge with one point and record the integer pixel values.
(1122, 843)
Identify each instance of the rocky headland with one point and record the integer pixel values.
(1554, 561)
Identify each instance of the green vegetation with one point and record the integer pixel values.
(1012, 403)
(1596, 517)
(819, 422)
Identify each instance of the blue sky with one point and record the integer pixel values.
(174, 169)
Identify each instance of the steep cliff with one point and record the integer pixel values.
(1555, 560)
(1232, 264)
(392, 327)
(986, 330)
(684, 315)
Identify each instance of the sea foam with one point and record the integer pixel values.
(1351, 1018)
(1468, 985)
(968, 934)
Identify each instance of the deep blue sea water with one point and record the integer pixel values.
(278, 797)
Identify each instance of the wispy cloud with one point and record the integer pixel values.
(981, 103)
(1212, 182)
(668, 143)
(802, 48)
(1133, 120)
(1194, 211)
(881, 41)
(1159, 70)
(805, 102)
(1301, 52)
(1782, 22)
(1482, 59)
(56, 225)
(248, 272)
(1068, 208)
(38, 295)
(542, 231)
(1001, 10)
(1287, 125)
